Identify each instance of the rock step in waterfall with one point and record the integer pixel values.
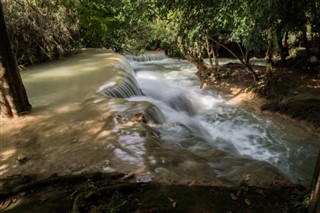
(124, 84)
(147, 57)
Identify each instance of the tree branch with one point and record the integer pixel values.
(249, 68)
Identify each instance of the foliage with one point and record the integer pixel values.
(100, 24)
(204, 27)
(145, 29)
(42, 30)
(298, 58)
(39, 30)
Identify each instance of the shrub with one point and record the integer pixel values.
(40, 30)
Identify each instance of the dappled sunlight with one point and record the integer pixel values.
(115, 59)
(5, 155)
(3, 169)
(71, 139)
(314, 84)
(100, 132)
(14, 205)
(68, 130)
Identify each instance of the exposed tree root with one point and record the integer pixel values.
(9, 189)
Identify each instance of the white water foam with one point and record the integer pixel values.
(197, 119)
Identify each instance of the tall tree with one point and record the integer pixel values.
(14, 99)
(314, 205)
(204, 26)
(40, 30)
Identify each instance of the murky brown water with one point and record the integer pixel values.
(64, 132)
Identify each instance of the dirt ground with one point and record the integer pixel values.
(112, 193)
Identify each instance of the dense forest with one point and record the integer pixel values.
(45, 30)
(285, 33)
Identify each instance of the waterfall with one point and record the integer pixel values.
(124, 84)
(198, 131)
(147, 57)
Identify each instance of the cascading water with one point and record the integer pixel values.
(147, 57)
(204, 136)
(124, 85)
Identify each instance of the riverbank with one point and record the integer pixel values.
(101, 192)
(294, 97)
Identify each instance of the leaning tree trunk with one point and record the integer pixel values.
(192, 56)
(247, 65)
(314, 206)
(14, 99)
(269, 53)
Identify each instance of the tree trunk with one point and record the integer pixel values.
(318, 52)
(279, 42)
(306, 43)
(210, 52)
(269, 53)
(196, 60)
(12, 88)
(247, 65)
(314, 206)
(216, 56)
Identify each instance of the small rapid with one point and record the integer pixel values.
(227, 138)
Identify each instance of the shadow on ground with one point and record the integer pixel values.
(98, 192)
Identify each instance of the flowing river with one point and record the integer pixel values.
(189, 135)
(220, 138)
